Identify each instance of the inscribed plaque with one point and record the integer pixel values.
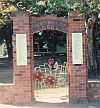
(21, 49)
(77, 50)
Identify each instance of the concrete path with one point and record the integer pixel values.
(52, 105)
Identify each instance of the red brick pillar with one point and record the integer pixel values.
(23, 83)
(77, 72)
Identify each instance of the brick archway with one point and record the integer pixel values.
(24, 26)
(49, 25)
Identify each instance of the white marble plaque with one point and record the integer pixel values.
(77, 48)
(21, 49)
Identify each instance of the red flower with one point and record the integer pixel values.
(50, 61)
(39, 76)
(50, 80)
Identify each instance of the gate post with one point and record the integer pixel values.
(77, 57)
(22, 57)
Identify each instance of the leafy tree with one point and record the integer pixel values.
(39, 7)
(51, 38)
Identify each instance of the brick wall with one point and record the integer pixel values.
(7, 93)
(78, 78)
(21, 91)
(23, 74)
(93, 93)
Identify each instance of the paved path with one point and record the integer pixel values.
(52, 105)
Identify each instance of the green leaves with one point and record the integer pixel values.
(56, 5)
(6, 8)
(50, 11)
(39, 7)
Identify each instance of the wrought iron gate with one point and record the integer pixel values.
(51, 80)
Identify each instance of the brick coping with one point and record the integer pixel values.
(93, 81)
(14, 84)
(1, 84)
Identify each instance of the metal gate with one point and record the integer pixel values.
(51, 81)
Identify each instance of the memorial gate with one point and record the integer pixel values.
(24, 26)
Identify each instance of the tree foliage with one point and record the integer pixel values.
(39, 7)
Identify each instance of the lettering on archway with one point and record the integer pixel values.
(49, 24)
